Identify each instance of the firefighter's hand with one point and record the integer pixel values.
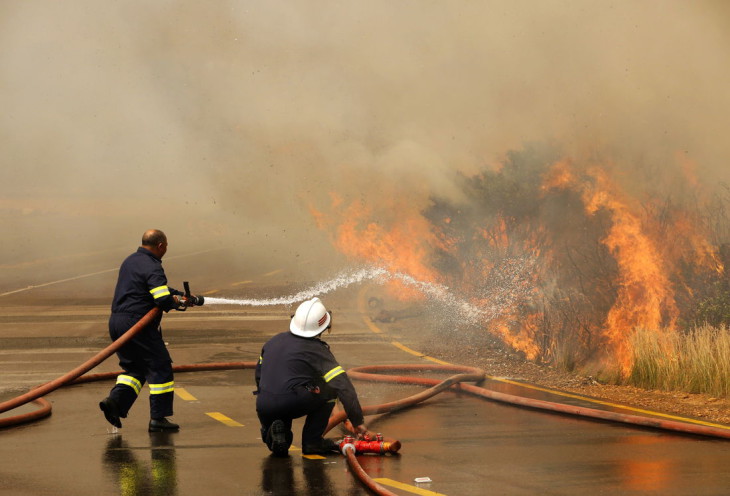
(180, 303)
(361, 431)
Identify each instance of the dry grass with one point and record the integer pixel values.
(697, 361)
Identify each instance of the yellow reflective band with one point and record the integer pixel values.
(261, 359)
(333, 373)
(160, 291)
(168, 387)
(130, 381)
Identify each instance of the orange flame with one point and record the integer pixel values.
(520, 334)
(643, 252)
(644, 295)
(403, 244)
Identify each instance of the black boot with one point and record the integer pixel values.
(163, 425)
(111, 412)
(323, 447)
(276, 439)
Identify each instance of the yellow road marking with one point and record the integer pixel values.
(273, 272)
(363, 314)
(212, 291)
(241, 282)
(417, 353)
(222, 418)
(406, 487)
(371, 326)
(184, 395)
(606, 403)
(398, 345)
(314, 457)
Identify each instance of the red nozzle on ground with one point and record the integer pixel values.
(367, 445)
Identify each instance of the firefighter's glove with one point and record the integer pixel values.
(180, 303)
(362, 432)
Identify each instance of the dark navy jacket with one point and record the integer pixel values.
(142, 285)
(289, 362)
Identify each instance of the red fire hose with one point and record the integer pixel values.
(67, 378)
(363, 476)
(365, 373)
(476, 375)
(369, 373)
(74, 376)
(471, 374)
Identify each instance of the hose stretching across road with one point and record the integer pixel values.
(75, 376)
(367, 373)
(36, 393)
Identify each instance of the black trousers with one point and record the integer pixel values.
(294, 404)
(144, 359)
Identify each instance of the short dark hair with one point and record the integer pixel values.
(153, 237)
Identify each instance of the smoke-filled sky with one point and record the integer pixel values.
(228, 119)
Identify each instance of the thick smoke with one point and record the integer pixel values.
(226, 120)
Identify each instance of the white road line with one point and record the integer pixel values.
(62, 257)
(82, 349)
(34, 362)
(28, 288)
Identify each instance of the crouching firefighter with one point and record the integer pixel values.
(298, 375)
(142, 286)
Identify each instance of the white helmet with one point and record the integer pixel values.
(310, 319)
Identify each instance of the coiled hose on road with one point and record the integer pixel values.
(368, 373)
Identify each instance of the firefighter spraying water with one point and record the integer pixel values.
(141, 287)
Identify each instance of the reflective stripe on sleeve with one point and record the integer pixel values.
(333, 373)
(160, 291)
(130, 381)
(261, 359)
(168, 387)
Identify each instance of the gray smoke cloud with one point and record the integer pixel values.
(226, 120)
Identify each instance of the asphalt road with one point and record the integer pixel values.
(465, 445)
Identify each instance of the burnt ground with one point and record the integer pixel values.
(497, 361)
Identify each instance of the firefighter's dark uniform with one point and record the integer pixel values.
(288, 373)
(141, 286)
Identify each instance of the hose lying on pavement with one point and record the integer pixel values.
(363, 476)
(67, 378)
(473, 374)
(368, 373)
(75, 376)
(470, 374)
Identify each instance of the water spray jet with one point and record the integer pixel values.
(510, 292)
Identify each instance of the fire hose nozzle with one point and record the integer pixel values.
(190, 300)
(195, 300)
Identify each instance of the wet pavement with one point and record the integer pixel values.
(465, 445)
